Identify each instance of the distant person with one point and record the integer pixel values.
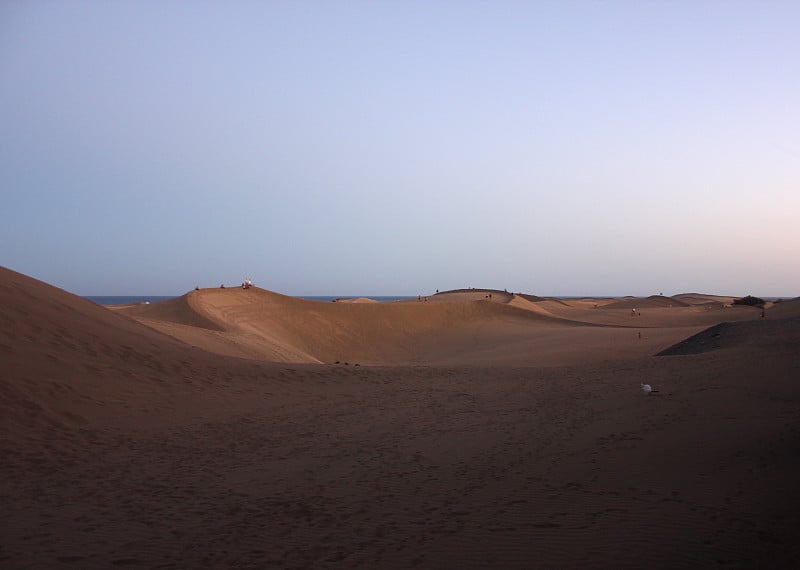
(222, 286)
(763, 315)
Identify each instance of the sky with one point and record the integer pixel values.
(396, 148)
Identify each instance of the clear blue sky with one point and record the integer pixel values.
(399, 147)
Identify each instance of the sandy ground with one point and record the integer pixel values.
(509, 433)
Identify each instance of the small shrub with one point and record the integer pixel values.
(750, 301)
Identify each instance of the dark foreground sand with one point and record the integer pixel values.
(123, 447)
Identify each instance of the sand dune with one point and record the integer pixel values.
(702, 299)
(125, 447)
(462, 295)
(652, 302)
(461, 326)
(276, 327)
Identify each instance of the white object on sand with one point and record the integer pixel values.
(647, 388)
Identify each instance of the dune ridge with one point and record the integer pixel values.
(460, 326)
(273, 326)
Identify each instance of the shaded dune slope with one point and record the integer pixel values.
(790, 308)
(780, 329)
(58, 349)
(753, 334)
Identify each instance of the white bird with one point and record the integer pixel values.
(647, 388)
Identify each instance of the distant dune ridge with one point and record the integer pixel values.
(267, 325)
(232, 428)
(464, 326)
(650, 302)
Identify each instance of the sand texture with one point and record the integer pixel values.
(217, 430)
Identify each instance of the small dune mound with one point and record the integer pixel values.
(462, 295)
(652, 302)
(702, 300)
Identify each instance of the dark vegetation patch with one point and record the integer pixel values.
(750, 301)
